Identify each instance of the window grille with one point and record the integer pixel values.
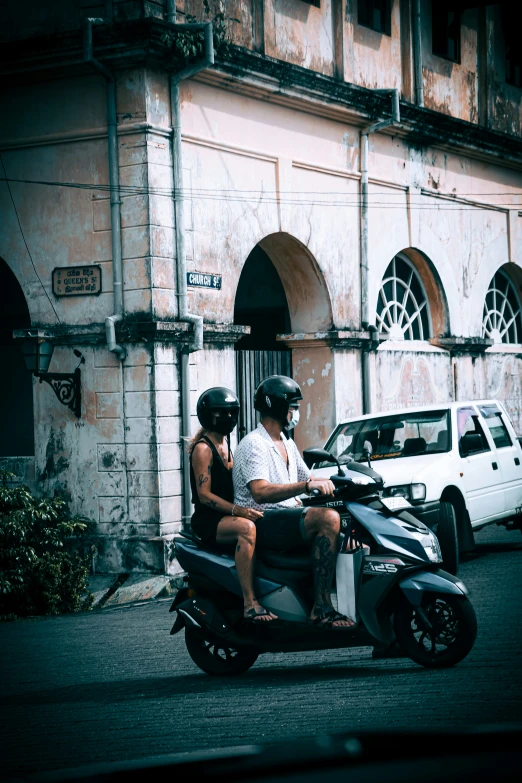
(502, 319)
(402, 307)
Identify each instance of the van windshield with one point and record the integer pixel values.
(392, 437)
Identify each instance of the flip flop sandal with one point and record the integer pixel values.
(253, 614)
(326, 620)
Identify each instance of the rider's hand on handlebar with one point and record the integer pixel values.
(324, 486)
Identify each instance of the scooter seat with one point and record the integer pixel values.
(292, 560)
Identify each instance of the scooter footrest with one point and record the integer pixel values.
(205, 614)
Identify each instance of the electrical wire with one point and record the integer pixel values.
(7, 181)
(296, 199)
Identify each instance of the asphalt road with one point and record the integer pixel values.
(112, 685)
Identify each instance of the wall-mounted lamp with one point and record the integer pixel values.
(38, 351)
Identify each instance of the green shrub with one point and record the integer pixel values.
(188, 44)
(41, 569)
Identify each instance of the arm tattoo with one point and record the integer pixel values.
(202, 479)
(323, 563)
(211, 503)
(238, 548)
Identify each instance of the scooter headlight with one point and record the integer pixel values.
(431, 547)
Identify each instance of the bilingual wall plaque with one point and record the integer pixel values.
(77, 281)
(203, 280)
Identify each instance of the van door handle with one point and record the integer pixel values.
(495, 466)
(517, 461)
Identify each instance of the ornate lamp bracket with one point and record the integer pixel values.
(67, 387)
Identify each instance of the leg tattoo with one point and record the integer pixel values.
(323, 562)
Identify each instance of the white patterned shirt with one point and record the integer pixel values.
(257, 458)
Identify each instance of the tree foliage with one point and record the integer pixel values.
(188, 45)
(41, 569)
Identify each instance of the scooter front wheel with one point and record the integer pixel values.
(217, 659)
(439, 633)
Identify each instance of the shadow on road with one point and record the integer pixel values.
(167, 687)
(490, 548)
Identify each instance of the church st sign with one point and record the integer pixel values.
(77, 280)
(201, 280)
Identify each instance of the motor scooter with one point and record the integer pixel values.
(399, 589)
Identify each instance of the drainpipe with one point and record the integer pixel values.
(196, 341)
(171, 11)
(365, 312)
(417, 54)
(114, 180)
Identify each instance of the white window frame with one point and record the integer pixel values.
(393, 307)
(495, 315)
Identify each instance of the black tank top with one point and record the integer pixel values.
(204, 519)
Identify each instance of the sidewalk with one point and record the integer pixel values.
(111, 590)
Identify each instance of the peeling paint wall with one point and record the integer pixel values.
(452, 87)
(372, 59)
(300, 33)
(407, 379)
(119, 464)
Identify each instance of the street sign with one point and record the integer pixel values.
(77, 280)
(202, 280)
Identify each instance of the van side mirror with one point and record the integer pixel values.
(471, 442)
(367, 452)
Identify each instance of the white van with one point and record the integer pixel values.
(459, 465)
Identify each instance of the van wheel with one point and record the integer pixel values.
(448, 538)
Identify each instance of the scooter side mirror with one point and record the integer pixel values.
(313, 455)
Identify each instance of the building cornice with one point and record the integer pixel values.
(143, 43)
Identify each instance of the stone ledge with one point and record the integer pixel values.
(333, 337)
(462, 346)
(130, 331)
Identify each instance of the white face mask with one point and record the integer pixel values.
(294, 419)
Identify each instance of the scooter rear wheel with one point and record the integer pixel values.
(451, 636)
(216, 659)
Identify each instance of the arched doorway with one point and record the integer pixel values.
(282, 291)
(261, 304)
(16, 392)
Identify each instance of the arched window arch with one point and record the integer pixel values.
(16, 390)
(502, 316)
(403, 311)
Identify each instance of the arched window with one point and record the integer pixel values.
(502, 318)
(402, 308)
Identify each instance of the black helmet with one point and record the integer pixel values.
(218, 399)
(274, 396)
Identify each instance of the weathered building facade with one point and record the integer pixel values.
(381, 266)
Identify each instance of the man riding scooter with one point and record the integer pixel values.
(269, 475)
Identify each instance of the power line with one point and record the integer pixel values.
(7, 181)
(265, 196)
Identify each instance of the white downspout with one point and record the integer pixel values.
(114, 181)
(364, 268)
(196, 341)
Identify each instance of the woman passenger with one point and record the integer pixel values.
(216, 519)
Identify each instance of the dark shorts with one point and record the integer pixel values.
(281, 529)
